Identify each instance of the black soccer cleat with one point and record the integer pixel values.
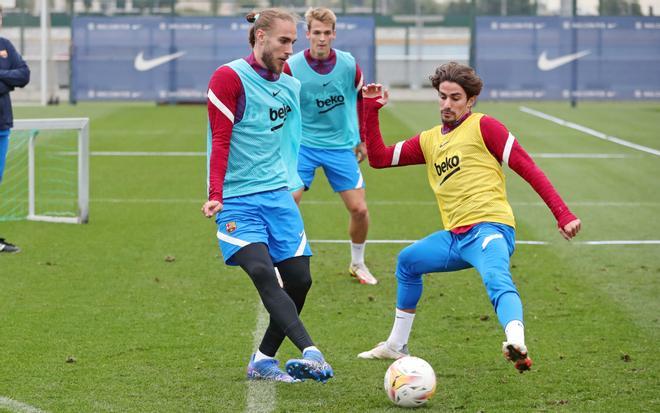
(7, 247)
(517, 353)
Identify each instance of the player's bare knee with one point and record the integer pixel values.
(359, 212)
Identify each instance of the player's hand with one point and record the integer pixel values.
(361, 152)
(376, 90)
(210, 208)
(571, 229)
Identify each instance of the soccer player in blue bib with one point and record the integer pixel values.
(331, 102)
(253, 139)
(14, 72)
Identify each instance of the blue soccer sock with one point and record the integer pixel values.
(408, 294)
(509, 308)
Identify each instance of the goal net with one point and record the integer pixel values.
(47, 171)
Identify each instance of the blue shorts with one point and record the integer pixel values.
(269, 217)
(487, 247)
(4, 147)
(340, 166)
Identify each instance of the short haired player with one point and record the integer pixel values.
(331, 102)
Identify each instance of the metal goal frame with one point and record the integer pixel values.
(82, 126)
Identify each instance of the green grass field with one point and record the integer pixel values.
(94, 318)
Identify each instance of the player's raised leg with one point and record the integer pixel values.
(488, 247)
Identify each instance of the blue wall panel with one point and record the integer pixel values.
(560, 58)
(115, 58)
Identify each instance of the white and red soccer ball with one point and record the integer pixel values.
(410, 382)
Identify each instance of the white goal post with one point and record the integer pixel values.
(81, 125)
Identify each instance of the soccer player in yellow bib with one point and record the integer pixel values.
(464, 157)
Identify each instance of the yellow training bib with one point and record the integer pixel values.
(467, 180)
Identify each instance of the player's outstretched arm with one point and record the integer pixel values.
(506, 149)
(210, 208)
(571, 229)
(408, 152)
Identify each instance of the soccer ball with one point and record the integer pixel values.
(410, 382)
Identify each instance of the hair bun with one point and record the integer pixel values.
(252, 17)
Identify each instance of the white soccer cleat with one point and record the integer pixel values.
(517, 353)
(362, 273)
(384, 351)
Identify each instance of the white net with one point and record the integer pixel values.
(14, 185)
(47, 172)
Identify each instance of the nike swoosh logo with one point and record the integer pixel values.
(546, 64)
(276, 93)
(326, 84)
(142, 65)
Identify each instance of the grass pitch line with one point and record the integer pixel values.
(204, 154)
(622, 242)
(339, 202)
(521, 242)
(261, 395)
(102, 153)
(589, 131)
(18, 407)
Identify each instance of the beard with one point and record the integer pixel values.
(270, 62)
(453, 116)
(449, 117)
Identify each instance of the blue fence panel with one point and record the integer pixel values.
(584, 57)
(172, 58)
